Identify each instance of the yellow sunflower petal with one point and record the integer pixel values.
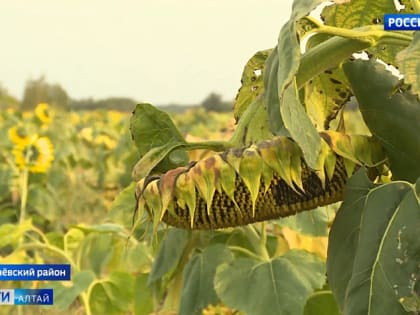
(43, 113)
(35, 155)
(18, 134)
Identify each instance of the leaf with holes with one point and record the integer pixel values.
(325, 95)
(374, 247)
(358, 13)
(252, 82)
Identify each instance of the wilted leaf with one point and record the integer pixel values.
(325, 95)
(252, 82)
(250, 170)
(185, 194)
(204, 174)
(357, 13)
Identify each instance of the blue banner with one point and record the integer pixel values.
(28, 272)
(402, 22)
(26, 296)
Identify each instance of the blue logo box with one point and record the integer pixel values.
(402, 22)
(26, 296)
(29, 272)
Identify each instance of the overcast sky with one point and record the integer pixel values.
(159, 51)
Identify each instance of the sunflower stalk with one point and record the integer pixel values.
(24, 180)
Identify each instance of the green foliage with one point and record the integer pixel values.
(374, 248)
(321, 302)
(314, 96)
(162, 138)
(392, 115)
(295, 273)
(198, 290)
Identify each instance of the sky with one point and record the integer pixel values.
(160, 51)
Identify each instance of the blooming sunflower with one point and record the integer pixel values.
(36, 155)
(19, 134)
(43, 113)
(105, 140)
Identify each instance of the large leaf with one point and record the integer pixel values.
(357, 13)
(170, 251)
(272, 94)
(278, 286)
(393, 116)
(303, 132)
(374, 247)
(197, 284)
(143, 298)
(288, 44)
(409, 62)
(122, 206)
(113, 295)
(321, 302)
(280, 78)
(98, 250)
(342, 244)
(64, 296)
(153, 128)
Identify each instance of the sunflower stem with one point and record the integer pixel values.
(24, 178)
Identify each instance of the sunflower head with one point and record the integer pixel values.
(19, 134)
(44, 113)
(106, 141)
(36, 155)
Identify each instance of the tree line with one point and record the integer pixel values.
(40, 91)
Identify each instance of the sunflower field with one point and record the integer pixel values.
(59, 175)
(304, 199)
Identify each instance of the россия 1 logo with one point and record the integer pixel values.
(402, 22)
